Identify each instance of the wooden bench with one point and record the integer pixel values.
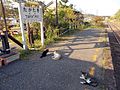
(7, 58)
(2, 61)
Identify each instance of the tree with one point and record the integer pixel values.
(68, 17)
(49, 18)
(65, 1)
(71, 6)
(9, 11)
(97, 20)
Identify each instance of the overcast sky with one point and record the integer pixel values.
(97, 7)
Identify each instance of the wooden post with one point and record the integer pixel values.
(28, 30)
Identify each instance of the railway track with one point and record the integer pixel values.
(116, 31)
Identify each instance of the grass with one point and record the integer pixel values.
(60, 38)
(15, 28)
(94, 26)
(24, 53)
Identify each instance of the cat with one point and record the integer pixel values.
(44, 53)
(88, 80)
(56, 56)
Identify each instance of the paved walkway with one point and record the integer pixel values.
(82, 51)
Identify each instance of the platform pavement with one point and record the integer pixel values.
(82, 51)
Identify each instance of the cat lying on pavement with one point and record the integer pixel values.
(88, 80)
(56, 56)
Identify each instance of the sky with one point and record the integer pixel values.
(97, 7)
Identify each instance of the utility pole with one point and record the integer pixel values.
(56, 13)
(5, 43)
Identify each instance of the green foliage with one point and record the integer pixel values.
(24, 53)
(0, 10)
(37, 44)
(52, 34)
(71, 6)
(66, 16)
(98, 21)
(117, 15)
(49, 18)
(94, 26)
(65, 1)
(9, 12)
(18, 37)
(84, 26)
(35, 25)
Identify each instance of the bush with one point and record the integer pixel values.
(51, 34)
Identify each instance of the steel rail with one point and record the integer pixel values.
(117, 37)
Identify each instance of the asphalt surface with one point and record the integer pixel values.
(82, 51)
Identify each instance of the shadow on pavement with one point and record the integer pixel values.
(47, 74)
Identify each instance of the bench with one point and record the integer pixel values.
(7, 58)
(2, 61)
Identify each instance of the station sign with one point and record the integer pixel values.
(31, 14)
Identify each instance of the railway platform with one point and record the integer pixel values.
(86, 50)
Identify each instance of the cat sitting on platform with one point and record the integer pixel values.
(44, 53)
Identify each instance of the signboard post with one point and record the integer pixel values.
(21, 23)
(22, 27)
(42, 31)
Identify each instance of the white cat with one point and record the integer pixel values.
(56, 56)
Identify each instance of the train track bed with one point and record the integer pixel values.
(115, 52)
